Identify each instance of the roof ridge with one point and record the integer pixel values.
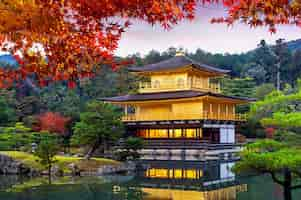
(175, 63)
(170, 95)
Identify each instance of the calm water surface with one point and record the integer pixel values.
(161, 181)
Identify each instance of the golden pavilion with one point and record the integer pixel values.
(180, 105)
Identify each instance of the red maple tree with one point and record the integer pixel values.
(64, 39)
(270, 132)
(52, 122)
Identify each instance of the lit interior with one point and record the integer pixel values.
(174, 173)
(192, 133)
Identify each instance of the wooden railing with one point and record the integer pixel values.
(147, 87)
(192, 116)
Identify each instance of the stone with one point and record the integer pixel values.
(55, 170)
(10, 166)
(75, 171)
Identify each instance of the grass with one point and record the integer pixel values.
(62, 161)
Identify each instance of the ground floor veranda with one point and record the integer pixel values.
(185, 135)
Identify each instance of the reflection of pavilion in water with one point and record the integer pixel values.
(228, 193)
(190, 181)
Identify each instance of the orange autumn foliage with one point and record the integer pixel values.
(64, 39)
(53, 123)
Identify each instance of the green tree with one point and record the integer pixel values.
(279, 157)
(278, 109)
(132, 145)
(46, 151)
(283, 59)
(28, 105)
(293, 71)
(7, 113)
(99, 125)
(265, 57)
(240, 87)
(255, 71)
(109, 83)
(282, 162)
(58, 98)
(263, 90)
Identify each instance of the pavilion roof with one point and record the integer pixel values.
(177, 62)
(171, 95)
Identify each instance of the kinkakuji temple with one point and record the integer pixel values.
(181, 107)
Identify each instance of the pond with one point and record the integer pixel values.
(163, 180)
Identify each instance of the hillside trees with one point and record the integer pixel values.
(58, 98)
(293, 71)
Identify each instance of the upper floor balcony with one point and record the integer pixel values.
(165, 86)
(184, 116)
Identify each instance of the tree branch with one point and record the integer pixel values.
(295, 187)
(276, 179)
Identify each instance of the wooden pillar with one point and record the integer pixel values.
(202, 109)
(227, 112)
(126, 110)
(218, 111)
(210, 110)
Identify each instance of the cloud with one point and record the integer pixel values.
(216, 38)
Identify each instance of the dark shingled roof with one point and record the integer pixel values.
(169, 95)
(175, 63)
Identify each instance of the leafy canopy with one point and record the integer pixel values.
(269, 156)
(62, 40)
(101, 122)
(53, 122)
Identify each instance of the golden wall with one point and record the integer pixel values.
(176, 81)
(185, 110)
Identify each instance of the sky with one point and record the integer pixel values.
(200, 33)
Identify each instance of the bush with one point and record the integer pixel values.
(130, 149)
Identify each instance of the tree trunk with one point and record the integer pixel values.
(91, 151)
(105, 146)
(49, 174)
(287, 192)
(278, 77)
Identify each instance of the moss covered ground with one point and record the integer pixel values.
(62, 161)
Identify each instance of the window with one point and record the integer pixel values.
(190, 174)
(178, 173)
(174, 173)
(177, 133)
(143, 133)
(158, 133)
(157, 173)
(180, 83)
(191, 133)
